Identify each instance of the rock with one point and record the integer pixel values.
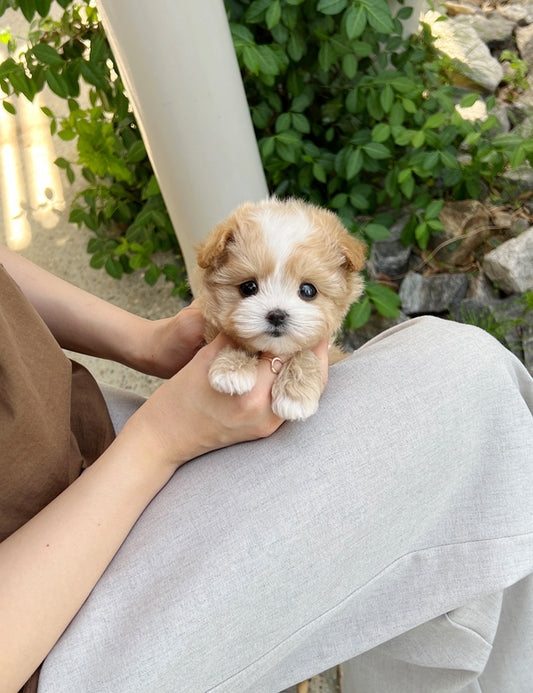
(492, 30)
(525, 128)
(432, 295)
(469, 55)
(390, 257)
(481, 289)
(457, 8)
(511, 264)
(514, 12)
(468, 223)
(517, 181)
(524, 43)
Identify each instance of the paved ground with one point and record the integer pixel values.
(34, 206)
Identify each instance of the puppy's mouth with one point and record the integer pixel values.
(276, 332)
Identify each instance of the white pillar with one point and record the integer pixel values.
(178, 65)
(410, 26)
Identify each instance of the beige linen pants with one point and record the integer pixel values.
(393, 529)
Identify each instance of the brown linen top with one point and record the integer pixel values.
(53, 417)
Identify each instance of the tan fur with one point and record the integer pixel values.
(310, 246)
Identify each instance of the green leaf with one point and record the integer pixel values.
(76, 216)
(9, 67)
(381, 132)
(67, 134)
(113, 267)
(92, 75)
(57, 83)
(9, 107)
(303, 101)
(469, 100)
(339, 200)
(283, 122)
(418, 139)
(358, 315)
(296, 46)
(409, 106)
(355, 21)
(362, 49)
(27, 8)
(352, 100)
(43, 7)
(152, 188)
(98, 49)
(319, 172)
(435, 120)
(408, 187)
(434, 209)
(376, 150)
(47, 54)
(301, 123)
(354, 163)
(152, 274)
(422, 234)
(350, 65)
(449, 160)
(431, 159)
(405, 13)
(404, 175)
(136, 153)
(517, 158)
(327, 56)
(377, 232)
(386, 98)
(378, 15)
(386, 300)
(61, 162)
(331, 6)
(273, 14)
(256, 11)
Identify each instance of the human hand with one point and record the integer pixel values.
(186, 417)
(163, 347)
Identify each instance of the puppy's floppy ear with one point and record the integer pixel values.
(210, 252)
(354, 251)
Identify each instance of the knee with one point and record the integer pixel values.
(429, 345)
(456, 342)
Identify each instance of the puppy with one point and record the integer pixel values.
(277, 277)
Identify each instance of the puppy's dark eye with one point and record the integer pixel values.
(249, 288)
(307, 292)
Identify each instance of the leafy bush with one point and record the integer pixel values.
(347, 113)
(122, 204)
(354, 117)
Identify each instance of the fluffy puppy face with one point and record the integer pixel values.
(278, 276)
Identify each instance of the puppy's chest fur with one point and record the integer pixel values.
(278, 277)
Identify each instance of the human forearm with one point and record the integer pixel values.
(50, 565)
(78, 320)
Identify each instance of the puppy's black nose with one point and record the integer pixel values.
(276, 317)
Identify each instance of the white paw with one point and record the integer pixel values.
(233, 372)
(231, 382)
(293, 410)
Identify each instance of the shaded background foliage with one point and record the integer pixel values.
(347, 113)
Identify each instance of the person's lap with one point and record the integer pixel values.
(406, 497)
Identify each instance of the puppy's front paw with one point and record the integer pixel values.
(292, 409)
(297, 390)
(233, 372)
